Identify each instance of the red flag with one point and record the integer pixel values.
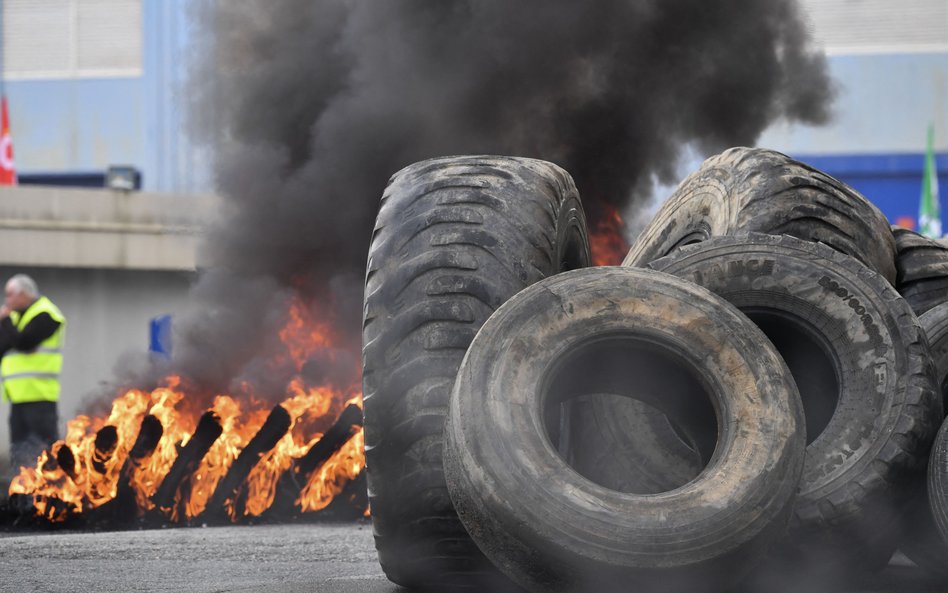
(7, 168)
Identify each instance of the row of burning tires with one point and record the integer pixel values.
(748, 396)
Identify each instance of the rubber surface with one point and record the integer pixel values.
(921, 539)
(455, 238)
(872, 420)
(938, 488)
(759, 190)
(642, 334)
(918, 257)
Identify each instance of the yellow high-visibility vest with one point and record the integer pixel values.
(34, 376)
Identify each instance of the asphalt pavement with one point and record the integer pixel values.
(299, 558)
(328, 558)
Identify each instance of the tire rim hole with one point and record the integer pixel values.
(810, 363)
(670, 399)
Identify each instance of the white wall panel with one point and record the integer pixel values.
(878, 26)
(71, 38)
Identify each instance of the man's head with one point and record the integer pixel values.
(20, 292)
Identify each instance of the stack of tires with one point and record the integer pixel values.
(748, 401)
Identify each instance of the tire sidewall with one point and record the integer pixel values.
(542, 522)
(861, 321)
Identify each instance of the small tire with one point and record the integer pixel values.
(863, 368)
(759, 190)
(454, 239)
(639, 333)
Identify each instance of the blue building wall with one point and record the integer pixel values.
(83, 125)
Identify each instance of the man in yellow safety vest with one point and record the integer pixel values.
(32, 329)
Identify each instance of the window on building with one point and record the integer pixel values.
(71, 38)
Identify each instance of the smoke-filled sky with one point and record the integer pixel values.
(310, 105)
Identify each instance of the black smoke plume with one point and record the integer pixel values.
(309, 106)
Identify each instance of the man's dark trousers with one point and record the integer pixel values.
(33, 427)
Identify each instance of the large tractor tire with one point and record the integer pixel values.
(759, 190)
(934, 323)
(922, 270)
(918, 257)
(864, 372)
(635, 333)
(938, 503)
(925, 295)
(921, 540)
(454, 239)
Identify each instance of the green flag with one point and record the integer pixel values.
(929, 215)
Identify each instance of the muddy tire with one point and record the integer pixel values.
(864, 371)
(637, 333)
(925, 295)
(921, 539)
(934, 323)
(758, 190)
(938, 502)
(918, 257)
(455, 238)
(922, 266)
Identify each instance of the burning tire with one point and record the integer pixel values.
(454, 239)
(636, 333)
(922, 266)
(864, 373)
(757, 190)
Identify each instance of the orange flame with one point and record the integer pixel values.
(56, 495)
(607, 242)
(332, 477)
(303, 334)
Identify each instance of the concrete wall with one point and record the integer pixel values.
(68, 227)
(111, 260)
(108, 313)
